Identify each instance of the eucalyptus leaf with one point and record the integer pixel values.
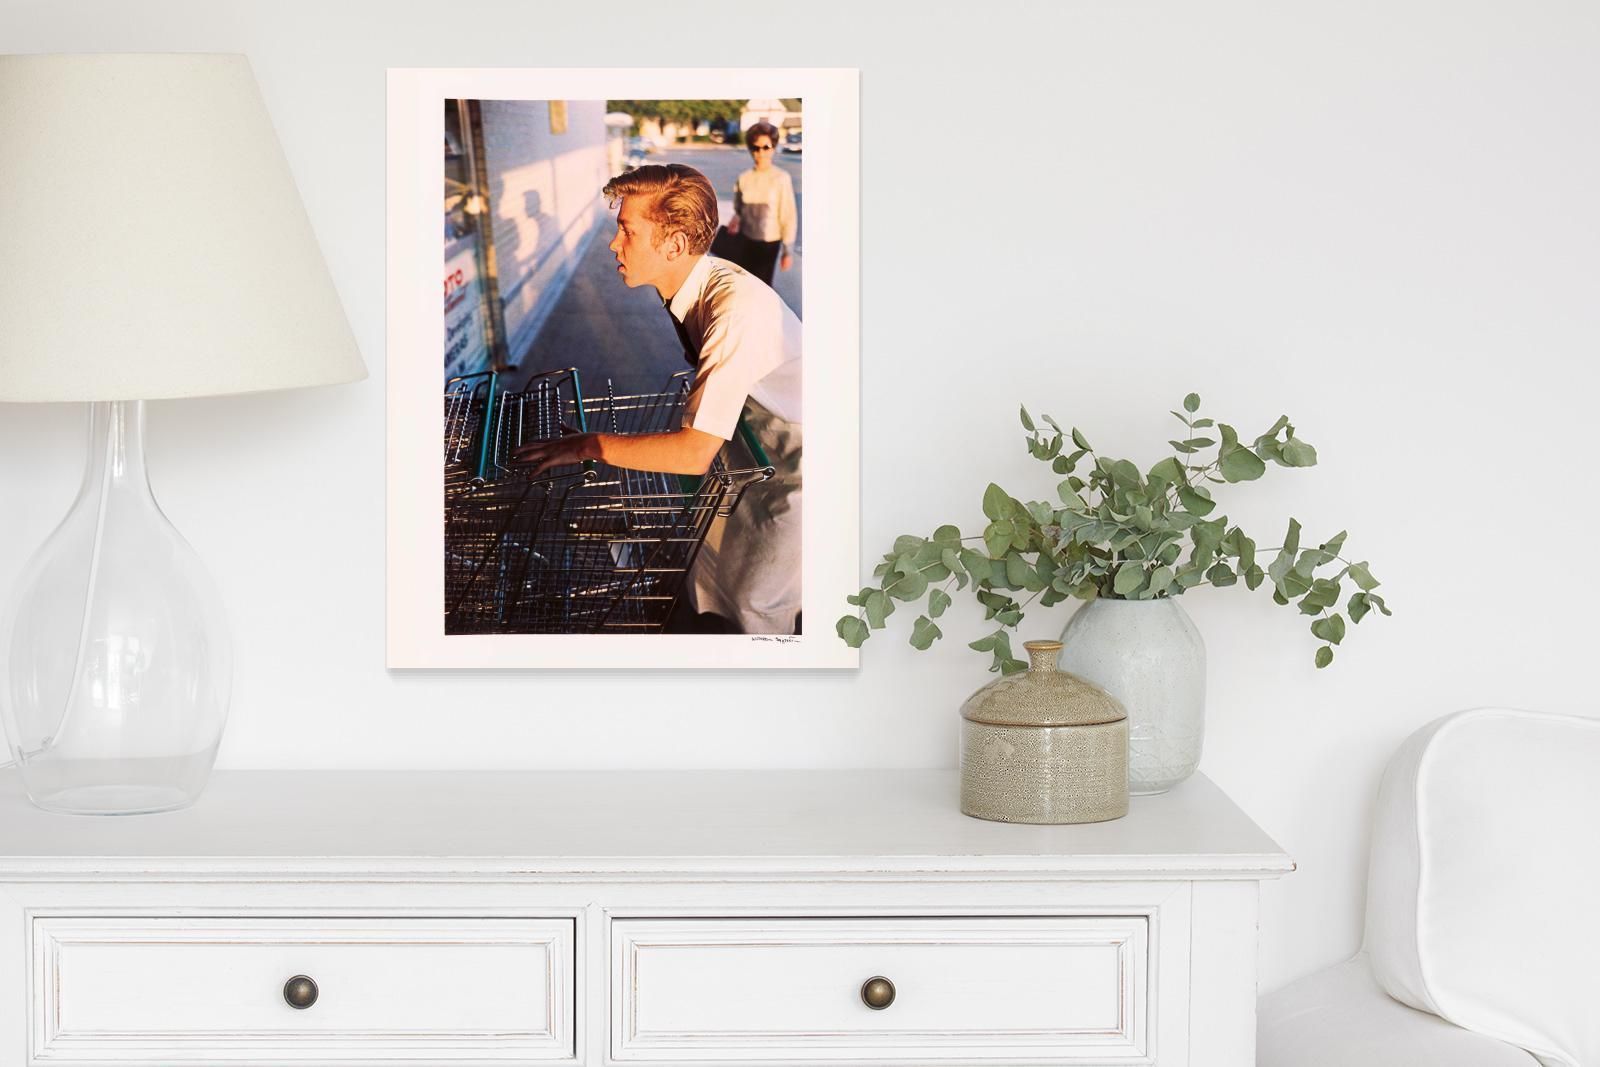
(878, 608)
(1324, 656)
(907, 543)
(1296, 453)
(924, 633)
(938, 601)
(1168, 470)
(1196, 500)
(852, 631)
(1244, 549)
(1160, 578)
(1125, 474)
(1291, 537)
(1330, 629)
(908, 586)
(1129, 578)
(1358, 607)
(1241, 465)
(976, 563)
(997, 537)
(997, 503)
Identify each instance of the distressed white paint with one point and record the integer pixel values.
(506, 917)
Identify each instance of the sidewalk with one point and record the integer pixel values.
(609, 331)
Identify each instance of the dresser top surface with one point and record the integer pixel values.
(764, 823)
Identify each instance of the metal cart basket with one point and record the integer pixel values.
(585, 549)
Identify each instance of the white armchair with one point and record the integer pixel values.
(1483, 909)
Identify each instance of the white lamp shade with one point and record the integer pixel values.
(152, 241)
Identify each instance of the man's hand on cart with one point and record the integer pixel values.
(558, 452)
(685, 451)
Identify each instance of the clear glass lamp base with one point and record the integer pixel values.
(117, 662)
(121, 787)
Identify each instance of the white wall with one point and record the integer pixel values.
(1378, 216)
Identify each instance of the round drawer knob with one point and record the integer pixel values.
(300, 992)
(877, 993)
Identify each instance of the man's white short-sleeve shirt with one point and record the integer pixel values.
(748, 343)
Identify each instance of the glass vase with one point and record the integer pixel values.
(118, 665)
(1149, 655)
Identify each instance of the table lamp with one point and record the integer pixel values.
(152, 245)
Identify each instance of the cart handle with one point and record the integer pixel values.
(488, 429)
(689, 484)
(749, 438)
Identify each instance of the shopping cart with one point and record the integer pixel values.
(585, 549)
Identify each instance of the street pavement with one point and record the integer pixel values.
(611, 332)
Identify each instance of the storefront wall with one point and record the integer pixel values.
(544, 201)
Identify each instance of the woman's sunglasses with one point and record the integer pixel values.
(760, 148)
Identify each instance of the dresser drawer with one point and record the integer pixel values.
(212, 990)
(1058, 989)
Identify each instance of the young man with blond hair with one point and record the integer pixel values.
(744, 343)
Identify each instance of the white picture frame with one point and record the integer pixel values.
(416, 636)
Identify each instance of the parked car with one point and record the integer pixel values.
(791, 143)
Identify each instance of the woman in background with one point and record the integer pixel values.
(763, 207)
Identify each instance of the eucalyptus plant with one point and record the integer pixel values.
(1121, 534)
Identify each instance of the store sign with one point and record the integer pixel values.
(466, 350)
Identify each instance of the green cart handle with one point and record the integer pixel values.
(689, 484)
(749, 438)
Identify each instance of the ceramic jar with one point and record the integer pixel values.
(1149, 655)
(1044, 746)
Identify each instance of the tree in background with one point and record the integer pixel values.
(687, 112)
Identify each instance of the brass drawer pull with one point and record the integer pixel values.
(300, 992)
(877, 993)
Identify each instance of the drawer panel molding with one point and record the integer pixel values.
(171, 990)
(1062, 989)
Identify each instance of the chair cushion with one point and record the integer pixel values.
(1483, 901)
(1340, 1018)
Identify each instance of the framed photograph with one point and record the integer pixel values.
(647, 343)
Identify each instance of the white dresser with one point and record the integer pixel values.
(834, 917)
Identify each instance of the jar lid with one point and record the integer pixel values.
(1042, 696)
